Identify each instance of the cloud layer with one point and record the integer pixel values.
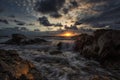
(47, 6)
(96, 13)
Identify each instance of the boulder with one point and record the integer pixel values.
(103, 46)
(109, 45)
(82, 41)
(20, 39)
(16, 39)
(12, 67)
(99, 32)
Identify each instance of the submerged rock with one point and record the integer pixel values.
(12, 67)
(55, 52)
(34, 41)
(59, 45)
(50, 59)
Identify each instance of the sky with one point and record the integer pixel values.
(53, 15)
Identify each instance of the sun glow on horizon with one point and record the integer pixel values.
(67, 34)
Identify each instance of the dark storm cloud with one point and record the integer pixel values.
(23, 29)
(70, 5)
(55, 15)
(58, 25)
(72, 27)
(21, 23)
(109, 13)
(94, 12)
(4, 21)
(47, 6)
(65, 10)
(44, 21)
(74, 3)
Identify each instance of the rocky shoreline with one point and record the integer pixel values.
(12, 67)
(103, 46)
(20, 39)
(96, 57)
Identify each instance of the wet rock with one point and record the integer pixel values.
(103, 46)
(16, 39)
(55, 52)
(97, 77)
(109, 45)
(88, 69)
(82, 41)
(20, 39)
(100, 32)
(47, 59)
(12, 67)
(34, 41)
(59, 45)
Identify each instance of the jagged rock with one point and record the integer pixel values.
(104, 45)
(12, 67)
(82, 41)
(109, 45)
(100, 32)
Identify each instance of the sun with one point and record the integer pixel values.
(68, 34)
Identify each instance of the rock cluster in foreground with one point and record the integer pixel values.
(12, 67)
(103, 45)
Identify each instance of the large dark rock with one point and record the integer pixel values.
(109, 45)
(34, 41)
(12, 67)
(100, 32)
(104, 45)
(16, 39)
(82, 41)
(20, 39)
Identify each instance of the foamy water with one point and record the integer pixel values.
(67, 65)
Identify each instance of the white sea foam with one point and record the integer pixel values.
(60, 66)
